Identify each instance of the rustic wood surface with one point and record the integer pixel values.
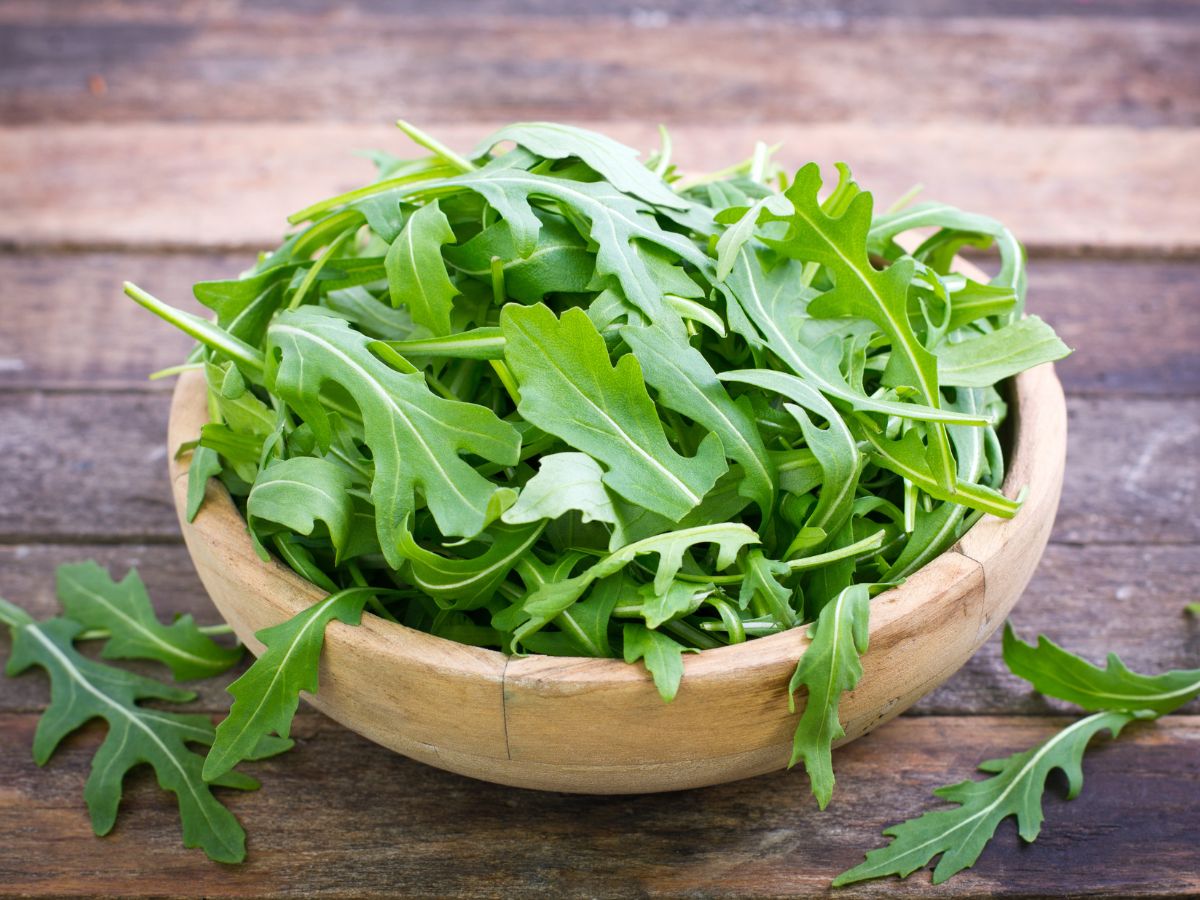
(163, 143)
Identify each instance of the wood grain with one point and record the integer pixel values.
(1131, 476)
(341, 817)
(220, 185)
(715, 63)
(1108, 311)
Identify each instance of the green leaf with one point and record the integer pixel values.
(662, 657)
(416, 273)
(681, 598)
(82, 690)
(886, 227)
(467, 583)
(742, 221)
(415, 437)
(371, 315)
(614, 161)
(828, 668)
(561, 261)
(990, 358)
(91, 598)
(614, 219)
(297, 493)
(205, 464)
(686, 383)
(1057, 673)
(266, 696)
(908, 457)
(570, 388)
(761, 586)
(564, 482)
(961, 833)
(552, 598)
(765, 310)
(860, 290)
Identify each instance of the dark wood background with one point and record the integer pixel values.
(164, 143)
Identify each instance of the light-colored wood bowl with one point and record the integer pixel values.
(598, 725)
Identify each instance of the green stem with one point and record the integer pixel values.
(866, 545)
(434, 146)
(204, 331)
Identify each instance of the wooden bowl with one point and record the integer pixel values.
(598, 726)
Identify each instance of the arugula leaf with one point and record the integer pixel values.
(562, 261)
(762, 587)
(266, 696)
(1057, 673)
(828, 668)
(570, 388)
(617, 163)
(990, 358)
(82, 690)
(458, 583)
(297, 493)
(1016, 788)
(564, 482)
(686, 383)
(205, 464)
(414, 436)
(614, 219)
(662, 656)
(91, 598)
(416, 273)
(863, 291)
(553, 597)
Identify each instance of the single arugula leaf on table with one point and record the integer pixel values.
(267, 695)
(1015, 789)
(1117, 695)
(123, 609)
(1056, 672)
(82, 689)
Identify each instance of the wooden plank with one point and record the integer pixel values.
(71, 328)
(341, 817)
(94, 470)
(721, 62)
(1091, 600)
(228, 185)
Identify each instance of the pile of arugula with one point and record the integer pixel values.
(552, 400)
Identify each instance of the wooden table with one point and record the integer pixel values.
(163, 145)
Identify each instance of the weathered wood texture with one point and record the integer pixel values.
(726, 63)
(221, 185)
(78, 331)
(341, 817)
(78, 476)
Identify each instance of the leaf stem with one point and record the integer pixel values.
(206, 332)
(434, 146)
(866, 545)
